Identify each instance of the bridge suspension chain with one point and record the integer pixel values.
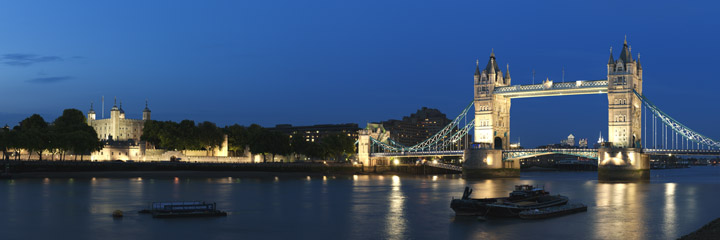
(677, 127)
(444, 138)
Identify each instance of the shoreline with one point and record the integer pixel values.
(198, 174)
(708, 231)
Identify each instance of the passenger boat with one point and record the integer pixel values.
(524, 197)
(555, 211)
(183, 209)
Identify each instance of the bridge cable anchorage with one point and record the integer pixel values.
(436, 141)
(440, 141)
(676, 126)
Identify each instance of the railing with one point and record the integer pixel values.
(681, 151)
(526, 153)
(423, 153)
(445, 166)
(551, 86)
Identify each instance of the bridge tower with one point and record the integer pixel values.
(622, 158)
(624, 109)
(492, 112)
(484, 159)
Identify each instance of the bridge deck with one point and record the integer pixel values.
(546, 89)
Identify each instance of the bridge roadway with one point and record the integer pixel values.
(514, 154)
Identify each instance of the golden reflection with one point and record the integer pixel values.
(176, 180)
(395, 220)
(669, 211)
(46, 181)
(277, 179)
(434, 178)
(620, 206)
(355, 177)
(308, 178)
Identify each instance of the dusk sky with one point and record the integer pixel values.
(324, 62)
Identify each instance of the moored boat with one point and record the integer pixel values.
(183, 209)
(524, 197)
(553, 211)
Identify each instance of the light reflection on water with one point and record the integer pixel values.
(354, 207)
(395, 219)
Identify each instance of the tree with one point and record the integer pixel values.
(337, 145)
(259, 140)
(299, 146)
(278, 143)
(237, 138)
(88, 142)
(151, 132)
(5, 142)
(34, 135)
(70, 132)
(209, 135)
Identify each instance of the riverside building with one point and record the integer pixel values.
(121, 135)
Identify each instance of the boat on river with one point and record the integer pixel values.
(183, 209)
(524, 197)
(555, 211)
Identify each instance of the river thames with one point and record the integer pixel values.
(674, 203)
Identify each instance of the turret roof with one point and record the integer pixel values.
(492, 66)
(625, 54)
(146, 106)
(477, 67)
(507, 74)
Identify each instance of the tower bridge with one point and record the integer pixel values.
(487, 154)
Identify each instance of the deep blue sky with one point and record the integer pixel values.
(313, 62)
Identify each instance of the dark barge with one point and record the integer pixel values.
(524, 197)
(184, 209)
(555, 211)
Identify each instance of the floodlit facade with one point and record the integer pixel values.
(117, 127)
(120, 135)
(624, 109)
(492, 111)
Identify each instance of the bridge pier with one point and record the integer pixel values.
(488, 163)
(623, 164)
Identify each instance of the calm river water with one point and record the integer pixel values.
(674, 203)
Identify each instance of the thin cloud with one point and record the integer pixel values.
(46, 80)
(23, 59)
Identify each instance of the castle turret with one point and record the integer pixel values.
(122, 112)
(146, 112)
(114, 111)
(113, 128)
(91, 114)
(507, 75)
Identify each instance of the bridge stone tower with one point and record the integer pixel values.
(624, 108)
(484, 159)
(622, 159)
(492, 112)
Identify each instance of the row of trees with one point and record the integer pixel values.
(185, 135)
(69, 133)
(264, 141)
